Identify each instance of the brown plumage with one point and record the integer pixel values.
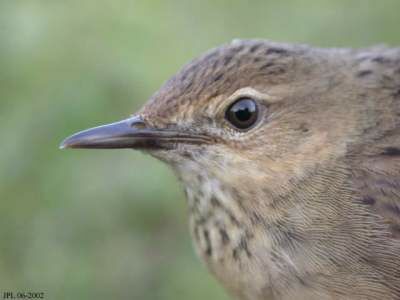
(290, 159)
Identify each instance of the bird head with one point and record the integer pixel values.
(246, 111)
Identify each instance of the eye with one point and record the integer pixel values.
(243, 113)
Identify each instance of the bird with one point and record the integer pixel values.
(289, 156)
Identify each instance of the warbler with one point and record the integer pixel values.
(290, 159)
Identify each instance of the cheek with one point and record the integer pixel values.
(273, 157)
(275, 140)
(296, 157)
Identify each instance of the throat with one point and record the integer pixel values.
(217, 221)
(225, 236)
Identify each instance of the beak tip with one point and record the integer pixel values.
(67, 143)
(63, 145)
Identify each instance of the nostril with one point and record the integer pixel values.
(137, 122)
(139, 125)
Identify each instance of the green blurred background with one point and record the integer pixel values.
(112, 225)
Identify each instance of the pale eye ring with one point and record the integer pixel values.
(243, 113)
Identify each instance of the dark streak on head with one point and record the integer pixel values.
(266, 66)
(275, 50)
(239, 48)
(208, 242)
(256, 219)
(391, 151)
(214, 202)
(254, 48)
(235, 253)
(227, 59)
(381, 60)
(274, 71)
(301, 281)
(363, 73)
(368, 200)
(241, 247)
(224, 236)
(218, 77)
(304, 128)
(188, 86)
(232, 217)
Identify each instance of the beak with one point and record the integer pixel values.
(130, 133)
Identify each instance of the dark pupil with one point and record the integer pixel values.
(243, 113)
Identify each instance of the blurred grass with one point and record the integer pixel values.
(112, 225)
